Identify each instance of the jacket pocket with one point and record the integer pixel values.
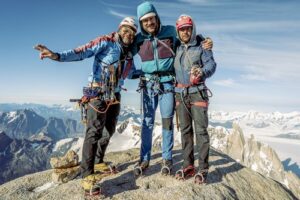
(164, 48)
(146, 51)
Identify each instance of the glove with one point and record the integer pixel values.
(195, 75)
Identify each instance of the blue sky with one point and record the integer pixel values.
(256, 47)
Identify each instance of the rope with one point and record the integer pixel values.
(107, 106)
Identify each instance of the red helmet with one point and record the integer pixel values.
(183, 21)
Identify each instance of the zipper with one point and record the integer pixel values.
(154, 46)
(182, 68)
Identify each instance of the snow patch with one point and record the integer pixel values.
(46, 186)
(77, 147)
(286, 183)
(254, 167)
(262, 155)
(12, 116)
(61, 143)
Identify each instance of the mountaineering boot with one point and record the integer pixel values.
(106, 168)
(201, 177)
(185, 173)
(166, 167)
(140, 167)
(91, 184)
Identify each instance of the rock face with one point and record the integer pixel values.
(65, 175)
(227, 179)
(71, 159)
(253, 154)
(65, 168)
(19, 157)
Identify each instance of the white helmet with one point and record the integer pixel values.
(129, 21)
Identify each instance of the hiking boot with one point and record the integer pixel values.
(105, 168)
(166, 167)
(185, 173)
(91, 184)
(201, 177)
(140, 167)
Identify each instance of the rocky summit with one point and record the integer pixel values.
(227, 179)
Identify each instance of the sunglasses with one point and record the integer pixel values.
(127, 30)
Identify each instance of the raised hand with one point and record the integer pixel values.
(45, 52)
(207, 44)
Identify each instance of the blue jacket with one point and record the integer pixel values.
(156, 52)
(106, 51)
(193, 54)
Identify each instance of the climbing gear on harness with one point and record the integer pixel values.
(140, 89)
(103, 91)
(152, 82)
(108, 104)
(91, 92)
(82, 109)
(201, 89)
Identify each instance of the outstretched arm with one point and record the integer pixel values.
(46, 53)
(85, 51)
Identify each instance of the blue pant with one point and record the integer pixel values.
(165, 99)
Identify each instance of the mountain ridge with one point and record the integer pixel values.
(227, 180)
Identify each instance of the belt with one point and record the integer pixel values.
(179, 88)
(95, 84)
(180, 85)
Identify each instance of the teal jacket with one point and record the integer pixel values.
(156, 52)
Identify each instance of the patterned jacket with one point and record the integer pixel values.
(106, 51)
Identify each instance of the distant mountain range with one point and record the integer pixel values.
(280, 124)
(21, 124)
(58, 111)
(27, 140)
(40, 137)
(20, 156)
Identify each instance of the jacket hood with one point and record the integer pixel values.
(144, 9)
(193, 40)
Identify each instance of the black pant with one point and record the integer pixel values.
(188, 111)
(96, 137)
